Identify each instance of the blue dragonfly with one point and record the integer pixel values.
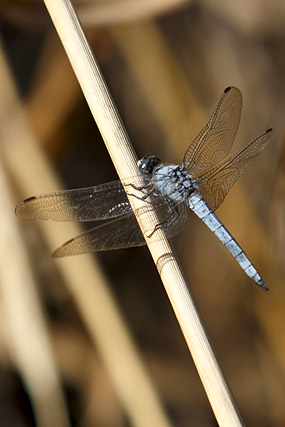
(200, 183)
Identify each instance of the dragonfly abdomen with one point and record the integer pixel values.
(203, 211)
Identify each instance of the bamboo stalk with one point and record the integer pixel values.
(123, 156)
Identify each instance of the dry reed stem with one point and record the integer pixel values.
(27, 337)
(94, 14)
(123, 11)
(122, 154)
(53, 71)
(86, 282)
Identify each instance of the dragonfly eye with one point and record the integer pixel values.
(148, 164)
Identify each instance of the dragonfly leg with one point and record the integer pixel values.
(139, 187)
(145, 195)
(173, 215)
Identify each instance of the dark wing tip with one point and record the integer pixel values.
(29, 199)
(20, 208)
(228, 89)
(269, 130)
(67, 249)
(60, 252)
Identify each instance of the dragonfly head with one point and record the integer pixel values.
(147, 165)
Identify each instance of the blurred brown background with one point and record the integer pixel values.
(166, 63)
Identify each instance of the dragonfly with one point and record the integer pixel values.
(200, 183)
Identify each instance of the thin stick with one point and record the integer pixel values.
(122, 154)
(84, 279)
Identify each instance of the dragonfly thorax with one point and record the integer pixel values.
(174, 181)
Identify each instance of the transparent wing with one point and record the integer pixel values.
(124, 232)
(216, 139)
(84, 204)
(215, 184)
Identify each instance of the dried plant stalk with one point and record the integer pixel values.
(27, 337)
(85, 281)
(122, 154)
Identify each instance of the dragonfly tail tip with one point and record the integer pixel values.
(263, 286)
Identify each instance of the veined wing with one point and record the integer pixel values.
(215, 183)
(214, 142)
(84, 204)
(124, 232)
